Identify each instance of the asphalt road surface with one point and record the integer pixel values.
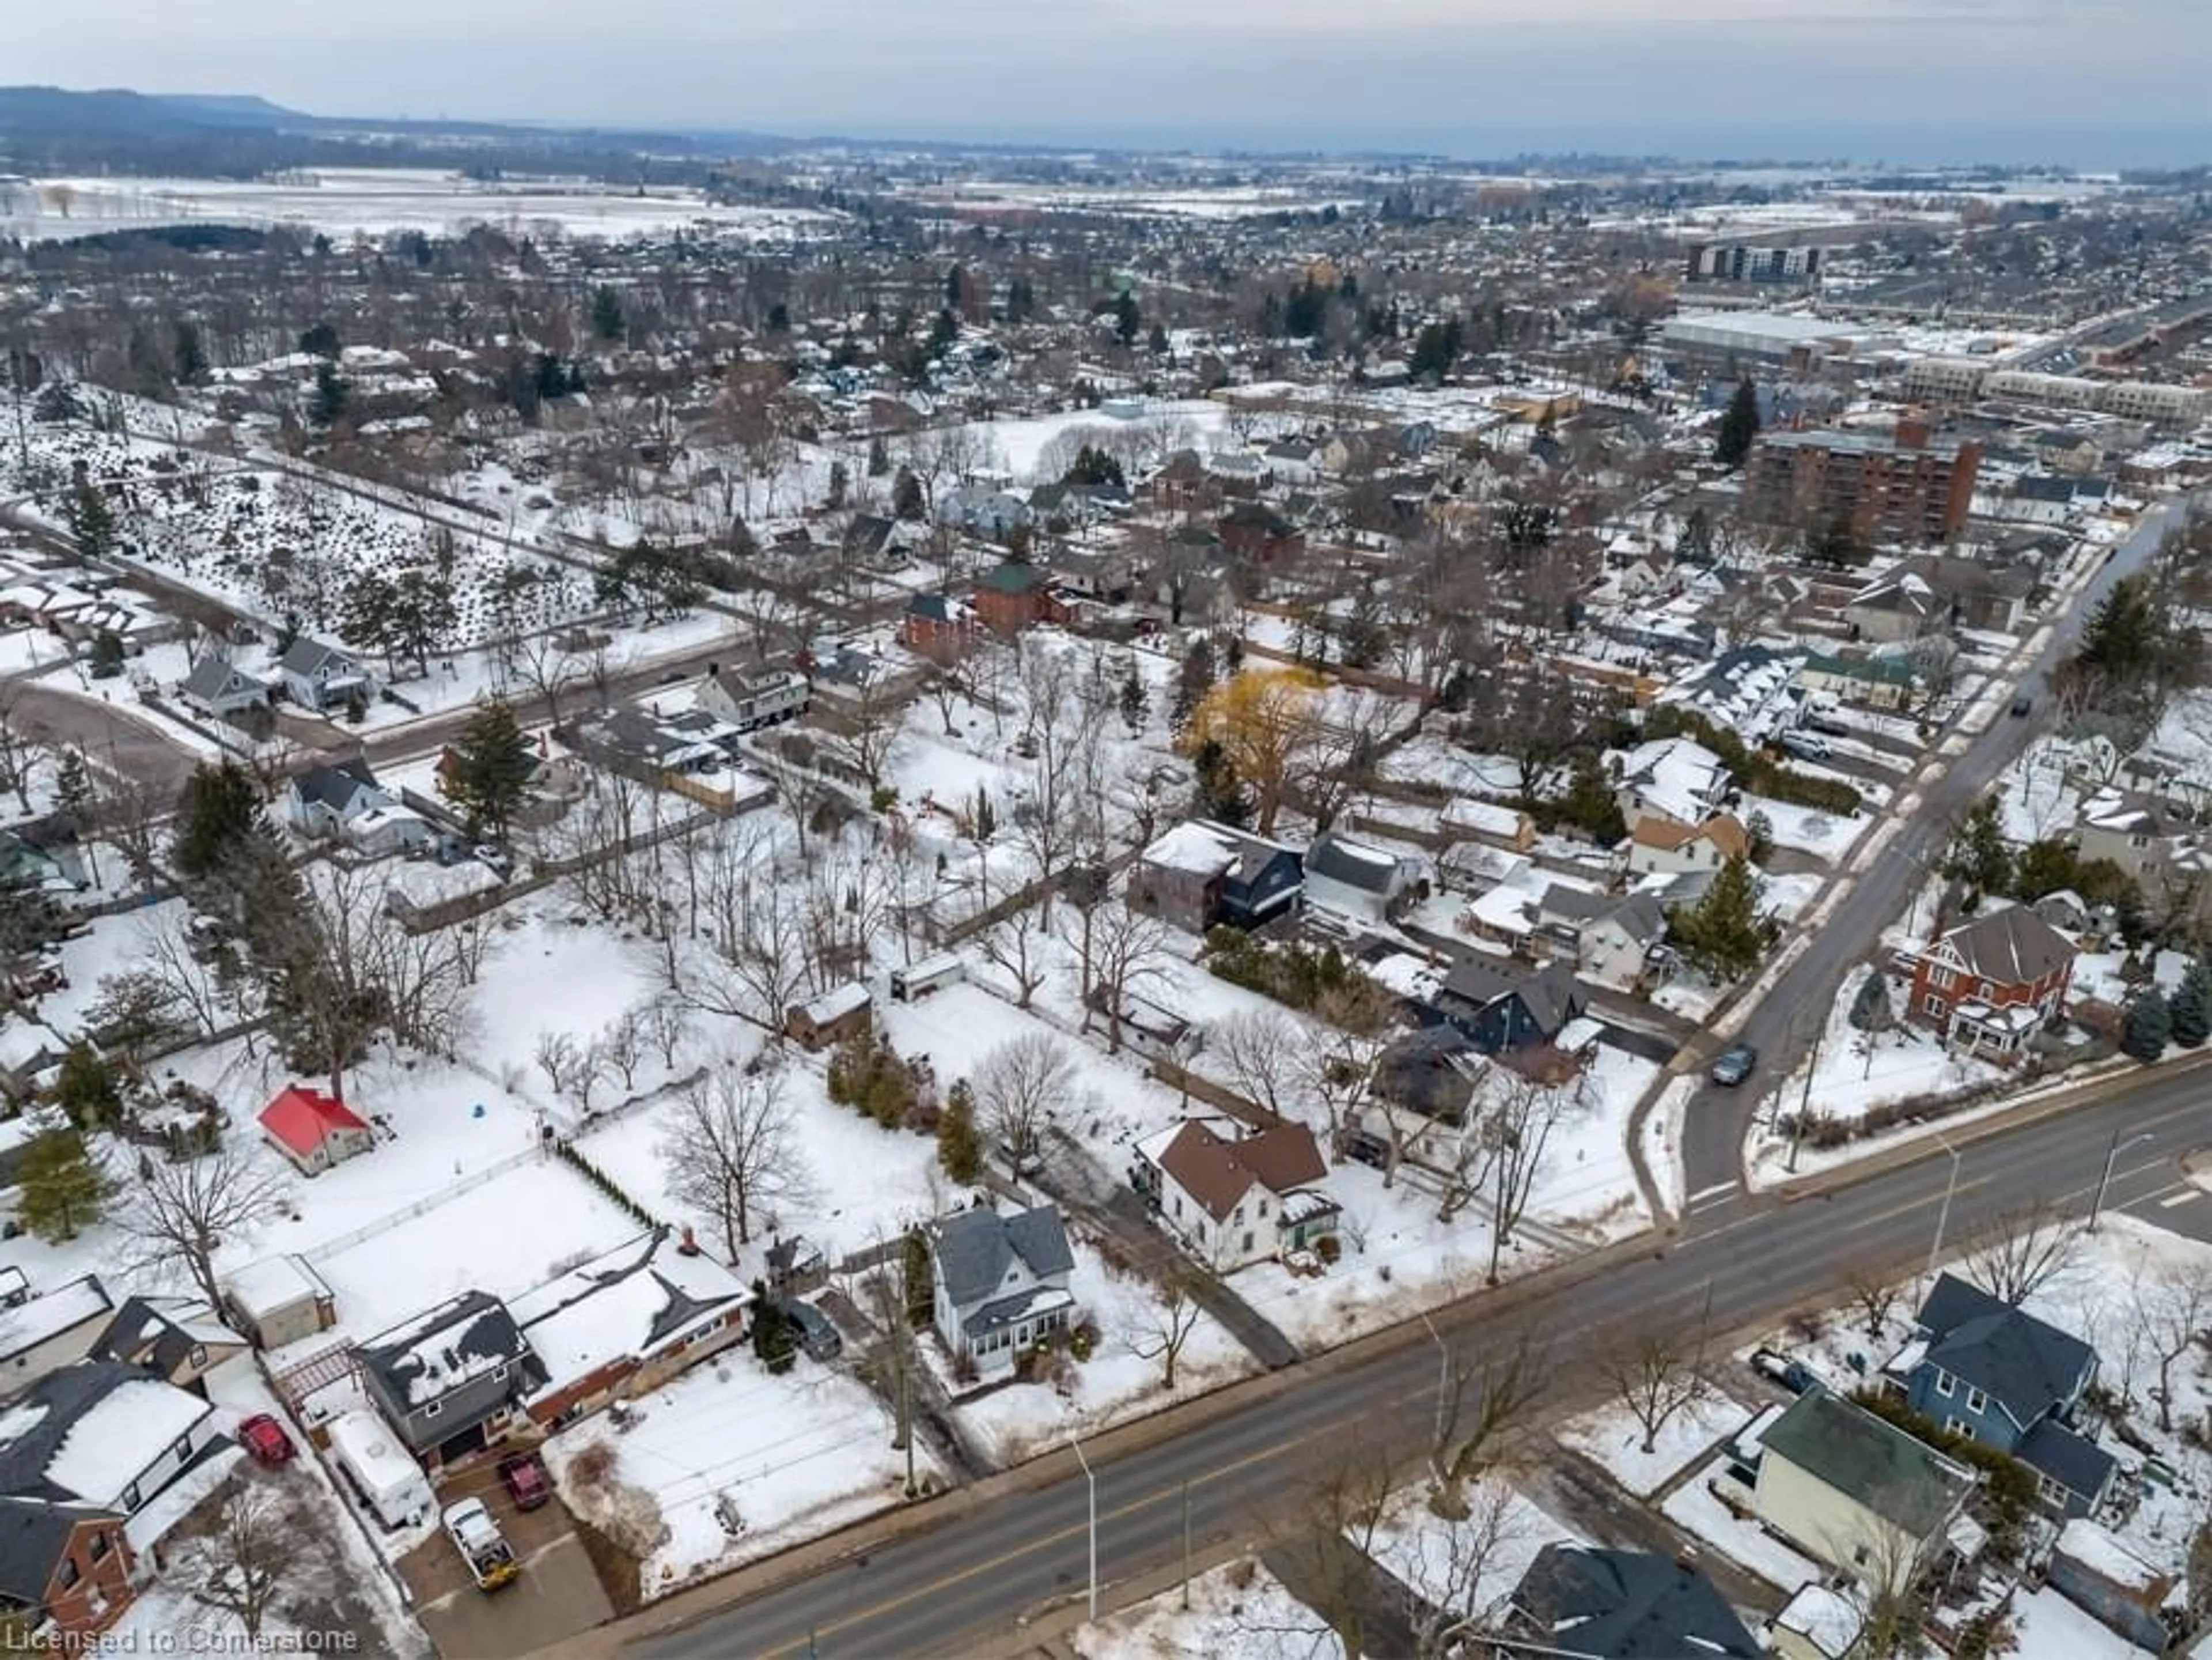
(111, 737)
(959, 1579)
(1782, 1026)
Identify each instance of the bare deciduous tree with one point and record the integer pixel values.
(1125, 953)
(243, 1563)
(2171, 1307)
(1165, 1323)
(1486, 1401)
(1017, 945)
(1653, 1374)
(1875, 1293)
(1017, 1084)
(1261, 1053)
(732, 1151)
(179, 1214)
(1516, 1127)
(2018, 1251)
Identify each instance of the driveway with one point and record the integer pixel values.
(556, 1596)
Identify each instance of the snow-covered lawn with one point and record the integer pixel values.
(1809, 830)
(1614, 1440)
(1237, 1612)
(1858, 1071)
(1750, 1547)
(2046, 1626)
(1472, 1563)
(799, 1454)
(1121, 1381)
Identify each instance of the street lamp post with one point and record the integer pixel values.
(1943, 1216)
(1092, 1480)
(2112, 1156)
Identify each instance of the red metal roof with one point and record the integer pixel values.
(300, 1117)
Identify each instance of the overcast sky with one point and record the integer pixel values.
(2100, 81)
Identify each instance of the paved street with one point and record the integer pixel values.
(942, 1578)
(1782, 1024)
(113, 739)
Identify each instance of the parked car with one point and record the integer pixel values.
(1793, 1375)
(265, 1438)
(1734, 1064)
(478, 1538)
(1810, 745)
(816, 1335)
(523, 1475)
(493, 859)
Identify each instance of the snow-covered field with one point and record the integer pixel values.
(1611, 1436)
(1237, 1612)
(375, 202)
(800, 1454)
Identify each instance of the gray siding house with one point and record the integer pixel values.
(454, 1380)
(999, 1283)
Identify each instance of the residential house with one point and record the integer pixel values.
(1106, 575)
(1995, 1373)
(1876, 682)
(1356, 881)
(454, 1380)
(1606, 940)
(939, 626)
(1850, 1489)
(219, 688)
(320, 677)
(1662, 847)
(1201, 875)
(2097, 1572)
(1599, 1605)
(752, 702)
(1672, 778)
(2136, 832)
(882, 544)
(40, 1335)
(1502, 1008)
(1899, 606)
(344, 799)
(1237, 1199)
(1989, 985)
(984, 510)
(103, 1434)
(838, 1014)
(67, 1571)
(1433, 1071)
(1014, 596)
(999, 1283)
(279, 1300)
(1256, 531)
(314, 1130)
(180, 1338)
(627, 1322)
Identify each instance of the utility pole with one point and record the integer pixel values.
(1805, 1100)
(1186, 1544)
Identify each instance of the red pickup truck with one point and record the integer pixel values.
(525, 1478)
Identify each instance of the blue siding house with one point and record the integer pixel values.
(1982, 1368)
(1502, 1008)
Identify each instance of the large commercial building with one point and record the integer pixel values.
(1752, 339)
(1901, 487)
(1968, 380)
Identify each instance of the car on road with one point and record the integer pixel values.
(1734, 1064)
(493, 859)
(2021, 705)
(523, 1475)
(265, 1437)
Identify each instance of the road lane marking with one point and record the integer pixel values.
(2181, 1198)
(1704, 1194)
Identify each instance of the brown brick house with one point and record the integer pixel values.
(1014, 596)
(1989, 985)
(69, 1562)
(1255, 531)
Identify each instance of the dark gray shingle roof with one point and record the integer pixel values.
(1628, 1605)
(2027, 1365)
(975, 1247)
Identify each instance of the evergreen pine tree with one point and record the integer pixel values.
(326, 405)
(915, 1284)
(879, 457)
(63, 1188)
(2191, 1007)
(1979, 855)
(188, 357)
(1739, 426)
(1721, 935)
(1134, 701)
(776, 1345)
(88, 1088)
(906, 495)
(959, 1144)
(73, 792)
(1193, 683)
(492, 769)
(2149, 1026)
(91, 519)
(1126, 318)
(608, 322)
(219, 814)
